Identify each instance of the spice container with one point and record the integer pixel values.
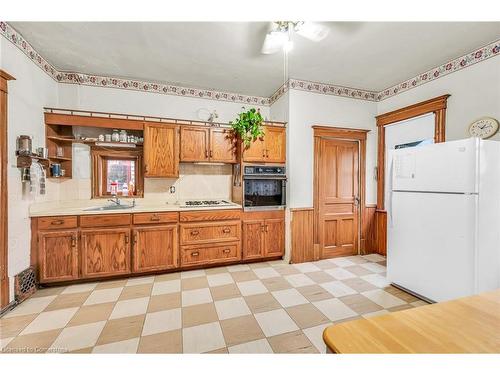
(115, 137)
(123, 136)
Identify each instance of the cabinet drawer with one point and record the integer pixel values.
(210, 232)
(57, 222)
(89, 221)
(210, 253)
(156, 218)
(207, 215)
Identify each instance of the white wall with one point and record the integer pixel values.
(32, 90)
(307, 109)
(475, 93)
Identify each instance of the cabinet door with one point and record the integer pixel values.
(155, 248)
(253, 239)
(222, 146)
(275, 140)
(256, 152)
(105, 252)
(194, 143)
(58, 255)
(274, 237)
(161, 150)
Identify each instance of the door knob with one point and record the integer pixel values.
(356, 201)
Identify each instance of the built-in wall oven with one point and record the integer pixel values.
(264, 187)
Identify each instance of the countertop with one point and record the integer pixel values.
(465, 325)
(77, 207)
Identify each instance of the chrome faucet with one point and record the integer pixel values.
(115, 200)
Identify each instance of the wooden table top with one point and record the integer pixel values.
(465, 325)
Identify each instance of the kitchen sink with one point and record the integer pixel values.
(114, 207)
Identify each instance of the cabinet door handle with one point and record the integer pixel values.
(267, 153)
(127, 240)
(226, 251)
(73, 241)
(266, 227)
(211, 153)
(195, 253)
(195, 232)
(146, 169)
(206, 153)
(262, 228)
(57, 222)
(155, 218)
(134, 239)
(226, 230)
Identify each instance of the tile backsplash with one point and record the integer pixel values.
(196, 181)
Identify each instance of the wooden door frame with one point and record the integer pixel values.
(435, 105)
(359, 135)
(4, 247)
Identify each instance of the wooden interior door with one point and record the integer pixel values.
(275, 139)
(194, 143)
(155, 248)
(105, 252)
(161, 150)
(222, 146)
(338, 197)
(58, 252)
(274, 238)
(253, 239)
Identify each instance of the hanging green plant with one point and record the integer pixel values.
(248, 126)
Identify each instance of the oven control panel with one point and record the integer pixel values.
(264, 170)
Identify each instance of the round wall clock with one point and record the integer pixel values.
(484, 127)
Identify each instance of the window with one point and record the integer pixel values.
(121, 167)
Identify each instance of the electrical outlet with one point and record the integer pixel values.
(172, 189)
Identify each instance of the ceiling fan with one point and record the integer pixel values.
(279, 37)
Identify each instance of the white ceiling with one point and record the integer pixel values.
(226, 56)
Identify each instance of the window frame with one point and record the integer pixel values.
(100, 156)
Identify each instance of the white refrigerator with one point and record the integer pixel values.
(443, 216)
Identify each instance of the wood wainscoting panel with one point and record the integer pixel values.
(368, 230)
(381, 231)
(302, 228)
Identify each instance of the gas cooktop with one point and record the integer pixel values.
(206, 203)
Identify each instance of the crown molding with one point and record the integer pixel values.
(480, 54)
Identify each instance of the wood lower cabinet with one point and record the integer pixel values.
(151, 242)
(105, 252)
(253, 239)
(58, 255)
(155, 248)
(263, 234)
(161, 150)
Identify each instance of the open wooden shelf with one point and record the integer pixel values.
(59, 158)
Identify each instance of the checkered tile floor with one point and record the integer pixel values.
(269, 307)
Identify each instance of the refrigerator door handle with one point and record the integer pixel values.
(390, 210)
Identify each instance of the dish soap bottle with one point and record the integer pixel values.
(125, 190)
(114, 188)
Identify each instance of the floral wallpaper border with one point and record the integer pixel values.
(481, 54)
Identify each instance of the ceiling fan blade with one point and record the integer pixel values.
(312, 31)
(274, 42)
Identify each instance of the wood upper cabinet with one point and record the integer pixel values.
(269, 149)
(155, 248)
(105, 252)
(207, 144)
(161, 150)
(58, 255)
(194, 143)
(222, 146)
(253, 239)
(275, 140)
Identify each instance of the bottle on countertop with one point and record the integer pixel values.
(125, 190)
(114, 188)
